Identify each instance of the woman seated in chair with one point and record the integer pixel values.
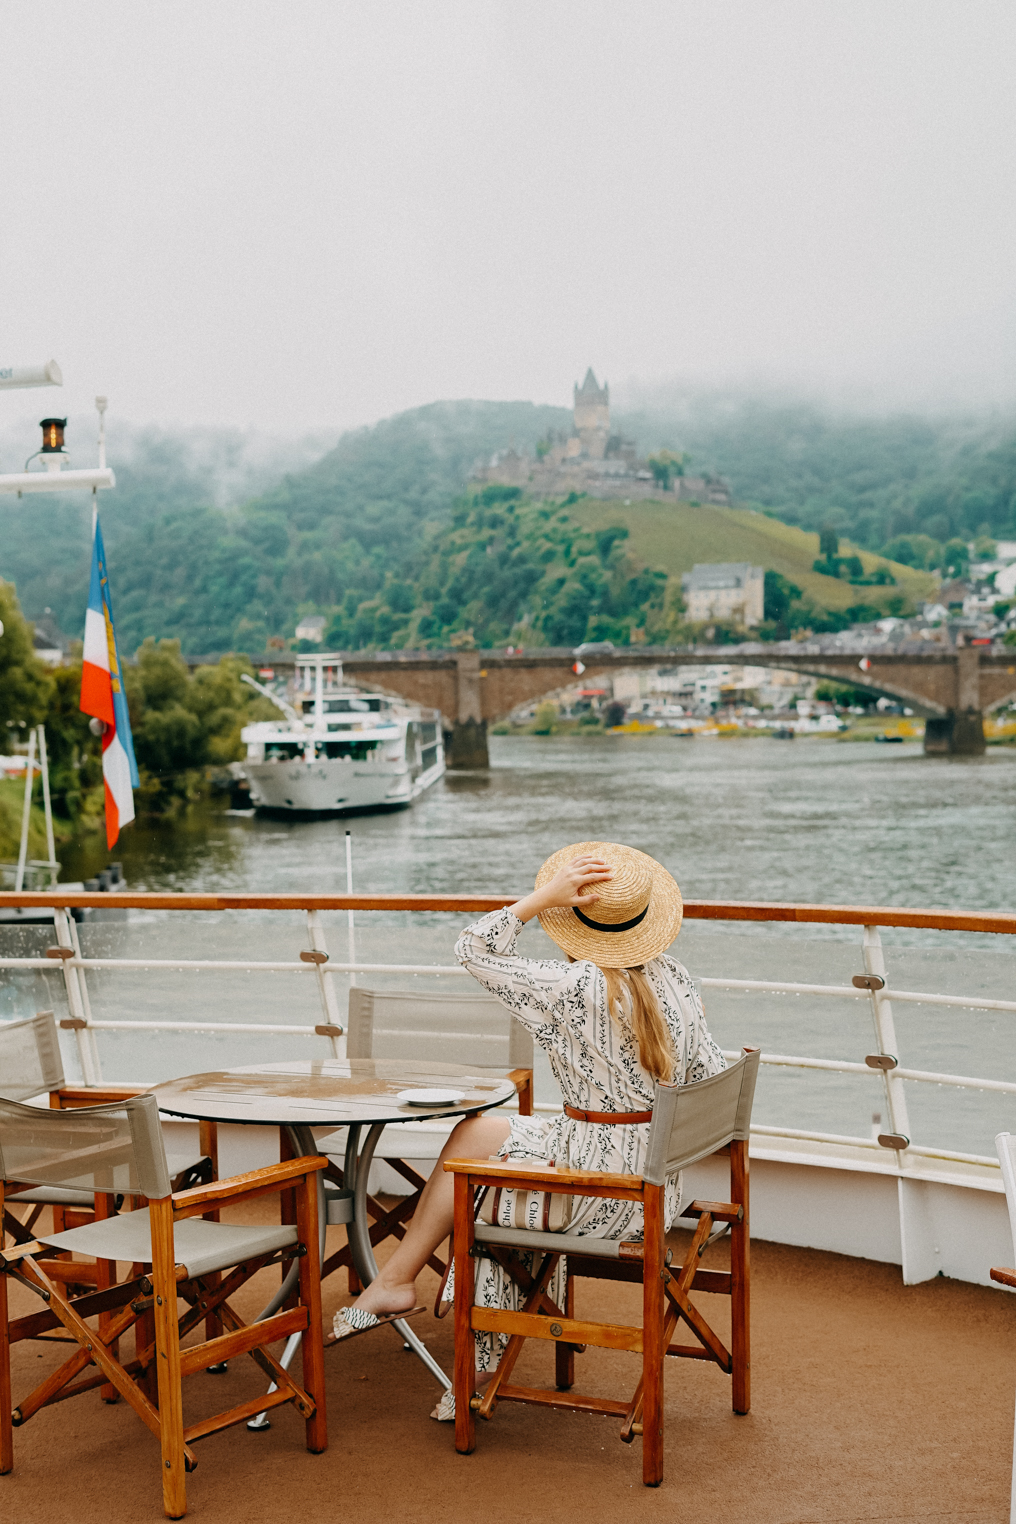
(615, 1018)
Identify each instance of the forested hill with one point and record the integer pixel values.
(226, 578)
(370, 535)
(872, 478)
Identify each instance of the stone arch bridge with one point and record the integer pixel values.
(953, 688)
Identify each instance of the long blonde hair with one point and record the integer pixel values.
(641, 1010)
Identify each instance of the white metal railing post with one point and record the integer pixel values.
(326, 986)
(885, 1036)
(350, 922)
(77, 998)
(26, 813)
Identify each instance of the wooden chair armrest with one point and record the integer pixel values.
(522, 1079)
(256, 1182)
(1004, 1277)
(93, 1095)
(537, 1177)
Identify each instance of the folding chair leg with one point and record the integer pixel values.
(105, 1276)
(740, 1251)
(208, 1143)
(564, 1354)
(313, 1347)
(167, 1360)
(465, 1357)
(6, 1429)
(652, 1348)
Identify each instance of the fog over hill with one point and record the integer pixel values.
(221, 538)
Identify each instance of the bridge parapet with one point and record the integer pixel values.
(951, 687)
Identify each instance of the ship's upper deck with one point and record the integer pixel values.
(872, 1403)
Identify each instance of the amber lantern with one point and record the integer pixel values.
(53, 435)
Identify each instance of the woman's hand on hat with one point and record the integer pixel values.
(566, 887)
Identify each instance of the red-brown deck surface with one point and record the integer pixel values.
(871, 1402)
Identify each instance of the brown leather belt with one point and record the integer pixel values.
(620, 1118)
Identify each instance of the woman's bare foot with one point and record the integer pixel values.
(380, 1298)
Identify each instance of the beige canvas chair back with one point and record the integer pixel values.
(1005, 1147)
(30, 1062)
(116, 1147)
(470, 1028)
(692, 1121)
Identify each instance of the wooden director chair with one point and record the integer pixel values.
(177, 1254)
(689, 1123)
(471, 1029)
(30, 1066)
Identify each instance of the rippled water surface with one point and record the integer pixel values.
(809, 821)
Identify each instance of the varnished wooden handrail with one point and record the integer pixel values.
(999, 921)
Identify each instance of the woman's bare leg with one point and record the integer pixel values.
(394, 1288)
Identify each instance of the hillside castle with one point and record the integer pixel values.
(593, 460)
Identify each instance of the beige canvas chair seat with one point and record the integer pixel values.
(54, 1195)
(198, 1245)
(559, 1243)
(689, 1123)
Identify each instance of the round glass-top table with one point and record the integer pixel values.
(331, 1092)
(358, 1094)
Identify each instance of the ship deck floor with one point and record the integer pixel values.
(872, 1401)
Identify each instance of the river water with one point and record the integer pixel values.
(813, 820)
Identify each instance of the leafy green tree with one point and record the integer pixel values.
(664, 465)
(828, 542)
(74, 754)
(25, 682)
(955, 558)
(545, 719)
(183, 723)
(779, 594)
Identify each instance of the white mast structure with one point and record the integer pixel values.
(52, 478)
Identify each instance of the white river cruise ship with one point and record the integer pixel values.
(339, 749)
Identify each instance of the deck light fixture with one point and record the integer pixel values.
(53, 435)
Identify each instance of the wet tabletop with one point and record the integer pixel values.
(330, 1092)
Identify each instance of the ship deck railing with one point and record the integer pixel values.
(892, 1149)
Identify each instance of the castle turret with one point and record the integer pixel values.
(592, 416)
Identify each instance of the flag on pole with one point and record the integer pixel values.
(102, 695)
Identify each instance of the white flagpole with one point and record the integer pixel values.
(19, 882)
(46, 801)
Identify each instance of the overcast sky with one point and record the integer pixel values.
(304, 214)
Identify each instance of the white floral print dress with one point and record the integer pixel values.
(595, 1060)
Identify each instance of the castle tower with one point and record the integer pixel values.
(592, 416)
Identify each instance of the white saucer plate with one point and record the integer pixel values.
(428, 1097)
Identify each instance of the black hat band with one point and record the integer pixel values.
(612, 925)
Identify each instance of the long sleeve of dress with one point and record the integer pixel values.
(541, 992)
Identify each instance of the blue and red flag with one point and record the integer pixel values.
(102, 696)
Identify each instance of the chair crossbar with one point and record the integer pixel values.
(568, 1330)
(227, 1346)
(239, 1414)
(571, 1401)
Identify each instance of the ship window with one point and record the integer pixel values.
(283, 751)
(356, 750)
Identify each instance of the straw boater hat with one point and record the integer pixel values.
(635, 917)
